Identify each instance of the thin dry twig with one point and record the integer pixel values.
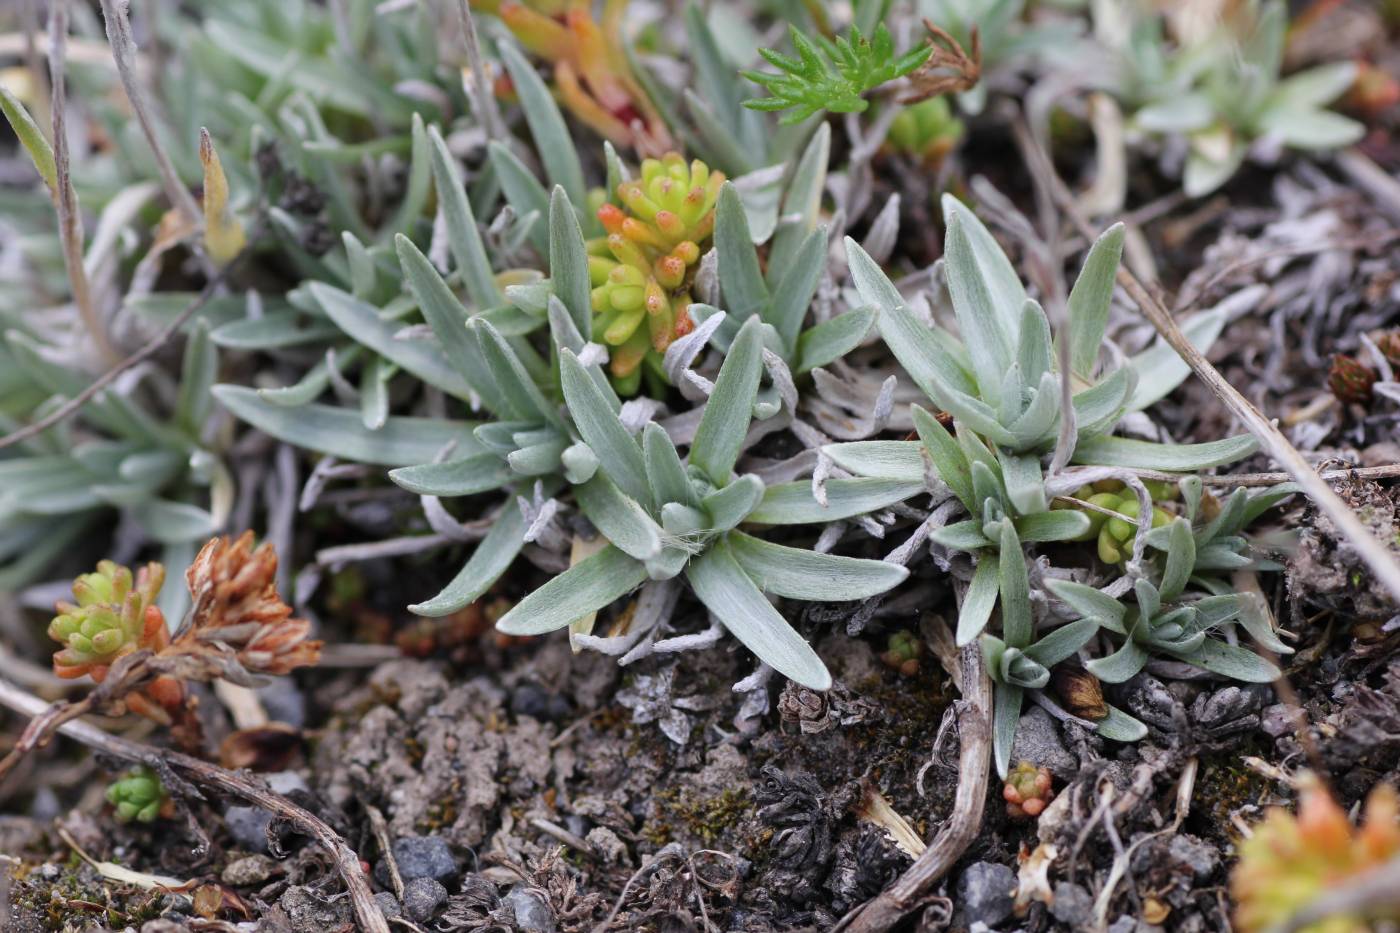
(124, 676)
(974, 760)
(70, 222)
(483, 97)
(1377, 557)
(347, 862)
(124, 54)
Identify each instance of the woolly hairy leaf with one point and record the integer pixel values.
(1005, 295)
(464, 476)
(586, 587)
(664, 471)
(619, 518)
(729, 506)
(736, 601)
(463, 237)
(1129, 452)
(794, 504)
(448, 320)
(745, 292)
(979, 601)
(797, 286)
(552, 141)
(1122, 665)
(363, 324)
(832, 339)
(801, 574)
(598, 424)
(339, 432)
(1089, 300)
(720, 435)
(901, 460)
(492, 557)
(568, 262)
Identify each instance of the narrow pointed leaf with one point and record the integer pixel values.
(618, 452)
(363, 324)
(1122, 665)
(448, 319)
(586, 587)
(833, 339)
(795, 573)
(745, 292)
(664, 471)
(979, 601)
(1182, 458)
(568, 262)
(492, 557)
(619, 518)
(729, 506)
(463, 237)
(339, 432)
(720, 436)
(1090, 298)
(736, 601)
(794, 504)
(1063, 642)
(555, 146)
(464, 476)
(1006, 716)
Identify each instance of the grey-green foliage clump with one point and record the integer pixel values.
(554, 426)
(663, 517)
(1222, 93)
(1016, 460)
(134, 451)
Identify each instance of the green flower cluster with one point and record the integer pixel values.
(108, 620)
(639, 271)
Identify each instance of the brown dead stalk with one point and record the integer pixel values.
(204, 774)
(974, 759)
(949, 69)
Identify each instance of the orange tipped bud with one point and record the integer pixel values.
(611, 217)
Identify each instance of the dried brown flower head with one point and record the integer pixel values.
(238, 622)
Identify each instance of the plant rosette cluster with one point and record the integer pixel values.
(140, 796)
(237, 629)
(1027, 791)
(641, 270)
(1003, 387)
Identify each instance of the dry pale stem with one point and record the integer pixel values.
(202, 773)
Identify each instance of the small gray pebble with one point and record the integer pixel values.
(250, 870)
(388, 905)
(1073, 906)
(985, 893)
(419, 857)
(422, 897)
(532, 914)
(1038, 741)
